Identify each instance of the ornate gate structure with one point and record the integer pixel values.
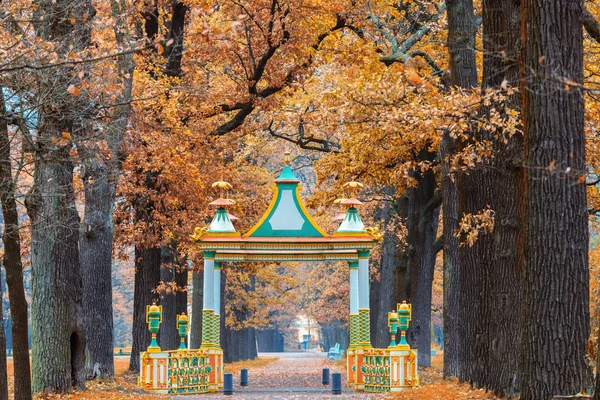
(287, 232)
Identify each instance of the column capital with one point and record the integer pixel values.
(218, 265)
(364, 254)
(209, 255)
(353, 264)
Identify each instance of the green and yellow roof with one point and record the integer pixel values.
(286, 231)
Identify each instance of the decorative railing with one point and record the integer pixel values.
(386, 370)
(181, 371)
(383, 370)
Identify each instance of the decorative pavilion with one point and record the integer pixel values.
(287, 232)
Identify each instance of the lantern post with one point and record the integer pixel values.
(153, 319)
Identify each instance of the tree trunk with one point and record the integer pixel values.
(100, 176)
(174, 303)
(463, 74)
(56, 314)
(556, 318)
(147, 277)
(597, 384)
(270, 340)
(96, 259)
(3, 366)
(451, 261)
(505, 178)
(385, 288)
(13, 266)
(423, 211)
(168, 336)
(238, 344)
(196, 328)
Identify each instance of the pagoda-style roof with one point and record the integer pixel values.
(285, 232)
(287, 216)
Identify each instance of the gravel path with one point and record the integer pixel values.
(292, 376)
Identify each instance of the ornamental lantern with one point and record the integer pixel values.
(404, 317)
(153, 319)
(393, 324)
(183, 326)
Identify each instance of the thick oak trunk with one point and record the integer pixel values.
(197, 301)
(597, 384)
(58, 344)
(237, 344)
(13, 266)
(383, 291)
(100, 175)
(3, 366)
(556, 318)
(173, 302)
(463, 73)
(56, 306)
(147, 277)
(423, 212)
(96, 262)
(451, 261)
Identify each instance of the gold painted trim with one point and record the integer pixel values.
(307, 214)
(352, 234)
(220, 234)
(266, 214)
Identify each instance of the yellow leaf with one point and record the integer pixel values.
(72, 21)
(74, 90)
(413, 78)
(66, 135)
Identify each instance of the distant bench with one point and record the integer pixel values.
(122, 351)
(335, 353)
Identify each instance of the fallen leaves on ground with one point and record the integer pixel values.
(301, 371)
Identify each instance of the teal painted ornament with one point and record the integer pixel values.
(183, 327)
(153, 319)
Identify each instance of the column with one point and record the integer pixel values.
(208, 299)
(364, 313)
(353, 302)
(217, 302)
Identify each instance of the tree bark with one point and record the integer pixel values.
(147, 277)
(174, 303)
(100, 176)
(56, 314)
(505, 245)
(196, 328)
(13, 266)
(384, 300)
(238, 344)
(451, 261)
(3, 366)
(556, 319)
(96, 262)
(597, 384)
(423, 212)
(58, 343)
(463, 73)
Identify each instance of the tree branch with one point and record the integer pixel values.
(591, 26)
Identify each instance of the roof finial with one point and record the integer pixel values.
(222, 186)
(287, 158)
(352, 187)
